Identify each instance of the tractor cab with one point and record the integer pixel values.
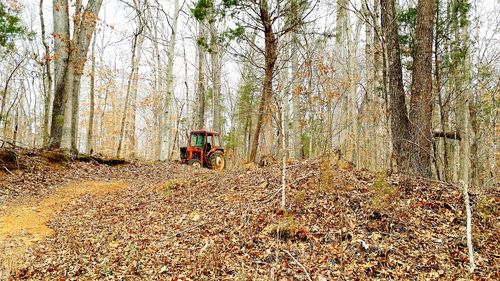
(204, 150)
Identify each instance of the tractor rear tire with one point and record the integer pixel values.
(217, 161)
(195, 163)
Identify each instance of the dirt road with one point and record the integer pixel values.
(24, 222)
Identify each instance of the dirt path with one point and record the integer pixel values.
(24, 222)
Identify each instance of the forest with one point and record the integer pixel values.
(319, 104)
(301, 78)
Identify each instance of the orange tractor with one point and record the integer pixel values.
(204, 150)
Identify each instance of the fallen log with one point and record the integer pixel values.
(101, 159)
(448, 135)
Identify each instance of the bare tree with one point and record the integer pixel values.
(167, 123)
(47, 79)
(71, 56)
(411, 135)
(90, 131)
(137, 42)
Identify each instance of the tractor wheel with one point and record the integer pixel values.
(217, 161)
(195, 163)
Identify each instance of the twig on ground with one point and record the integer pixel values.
(308, 175)
(299, 264)
(270, 196)
(183, 231)
(8, 171)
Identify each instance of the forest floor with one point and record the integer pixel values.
(167, 221)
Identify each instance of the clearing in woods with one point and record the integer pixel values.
(166, 221)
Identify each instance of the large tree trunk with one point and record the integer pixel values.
(61, 55)
(411, 140)
(85, 32)
(270, 50)
(421, 91)
(69, 68)
(68, 103)
(158, 86)
(167, 123)
(400, 124)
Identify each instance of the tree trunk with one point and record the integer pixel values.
(283, 155)
(271, 43)
(353, 151)
(167, 123)
(5, 94)
(133, 98)
(215, 57)
(475, 162)
(127, 95)
(158, 83)
(90, 132)
(370, 132)
(296, 101)
(69, 68)
(61, 55)
(421, 91)
(47, 80)
(200, 118)
(400, 124)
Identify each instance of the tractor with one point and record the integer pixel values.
(204, 150)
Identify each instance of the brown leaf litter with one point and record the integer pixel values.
(178, 223)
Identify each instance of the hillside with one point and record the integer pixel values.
(160, 221)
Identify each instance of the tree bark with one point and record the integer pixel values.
(270, 50)
(61, 55)
(69, 68)
(461, 77)
(167, 123)
(158, 83)
(90, 132)
(342, 79)
(411, 140)
(400, 124)
(200, 120)
(353, 151)
(296, 100)
(215, 57)
(47, 80)
(421, 91)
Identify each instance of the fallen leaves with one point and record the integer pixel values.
(219, 226)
